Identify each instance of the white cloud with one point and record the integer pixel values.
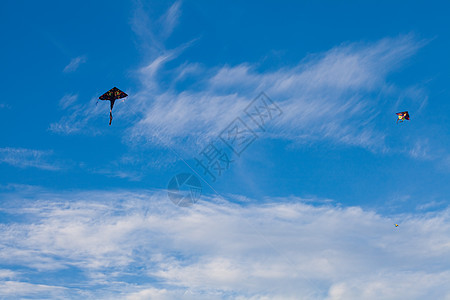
(14, 289)
(133, 176)
(153, 32)
(431, 205)
(170, 19)
(7, 274)
(67, 100)
(139, 245)
(420, 149)
(78, 115)
(332, 96)
(74, 64)
(152, 293)
(409, 285)
(25, 158)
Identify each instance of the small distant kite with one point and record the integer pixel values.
(396, 225)
(402, 116)
(112, 95)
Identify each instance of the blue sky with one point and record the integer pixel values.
(84, 210)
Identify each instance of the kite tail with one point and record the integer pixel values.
(110, 112)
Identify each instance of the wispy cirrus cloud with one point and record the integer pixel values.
(335, 96)
(170, 19)
(332, 96)
(421, 149)
(8, 274)
(26, 158)
(78, 115)
(153, 33)
(283, 249)
(74, 64)
(68, 100)
(133, 176)
(11, 289)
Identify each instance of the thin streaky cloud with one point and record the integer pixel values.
(74, 64)
(153, 33)
(170, 19)
(333, 95)
(8, 274)
(132, 176)
(12, 289)
(68, 100)
(78, 116)
(28, 158)
(421, 149)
